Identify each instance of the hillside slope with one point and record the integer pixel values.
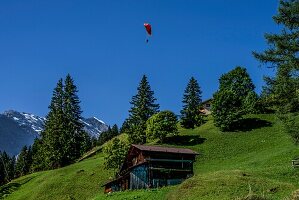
(254, 160)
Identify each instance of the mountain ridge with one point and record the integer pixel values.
(21, 128)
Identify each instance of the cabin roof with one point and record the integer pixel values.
(206, 101)
(164, 149)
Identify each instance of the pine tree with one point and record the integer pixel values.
(93, 141)
(282, 55)
(282, 90)
(108, 135)
(8, 167)
(105, 136)
(79, 140)
(125, 126)
(190, 115)
(114, 130)
(63, 139)
(23, 162)
(143, 107)
(53, 136)
(38, 161)
(2, 170)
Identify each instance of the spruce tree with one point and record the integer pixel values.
(282, 55)
(63, 139)
(125, 126)
(53, 137)
(23, 162)
(78, 141)
(114, 130)
(38, 161)
(190, 115)
(143, 107)
(3, 171)
(8, 167)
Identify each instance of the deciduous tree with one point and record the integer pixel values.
(234, 98)
(115, 152)
(161, 124)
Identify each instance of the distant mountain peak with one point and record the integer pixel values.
(99, 120)
(20, 128)
(30, 123)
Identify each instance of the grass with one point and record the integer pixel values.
(78, 181)
(253, 160)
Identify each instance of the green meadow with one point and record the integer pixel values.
(253, 162)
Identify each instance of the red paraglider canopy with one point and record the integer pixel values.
(148, 28)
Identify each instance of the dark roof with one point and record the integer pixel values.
(206, 101)
(164, 149)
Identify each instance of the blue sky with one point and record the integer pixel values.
(102, 45)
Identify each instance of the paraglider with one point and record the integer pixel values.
(148, 29)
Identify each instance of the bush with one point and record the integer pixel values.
(115, 153)
(161, 124)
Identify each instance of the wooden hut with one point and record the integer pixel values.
(153, 166)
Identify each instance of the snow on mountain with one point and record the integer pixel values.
(31, 123)
(19, 128)
(94, 126)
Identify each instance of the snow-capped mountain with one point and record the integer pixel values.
(19, 128)
(31, 123)
(94, 126)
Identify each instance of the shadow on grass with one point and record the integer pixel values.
(187, 140)
(11, 187)
(249, 124)
(8, 189)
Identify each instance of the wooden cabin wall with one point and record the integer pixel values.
(139, 177)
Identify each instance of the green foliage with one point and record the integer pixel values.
(228, 166)
(115, 153)
(238, 81)
(283, 55)
(63, 139)
(38, 163)
(137, 134)
(114, 130)
(160, 125)
(2, 171)
(24, 162)
(190, 115)
(143, 107)
(234, 98)
(290, 123)
(125, 126)
(108, 135)
(7, 168)
(250, 103)
(79, 141)
(226, 110)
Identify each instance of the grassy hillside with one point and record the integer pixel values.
(254, 160)
(78, 181)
